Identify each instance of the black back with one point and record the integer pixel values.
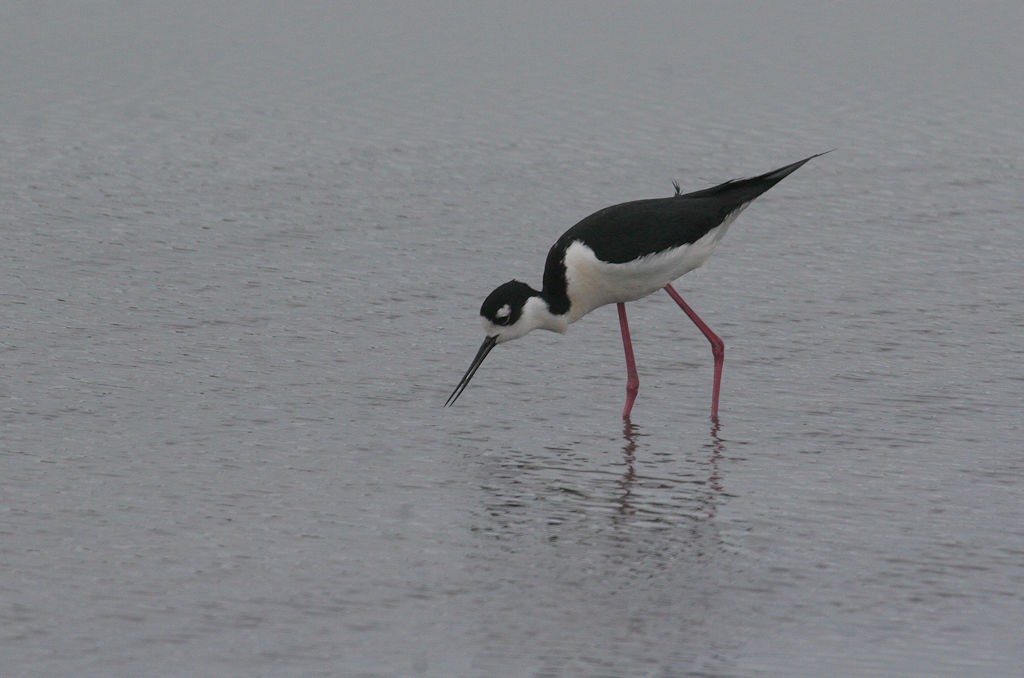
(632, 230)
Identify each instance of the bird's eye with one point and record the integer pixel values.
(503, 315)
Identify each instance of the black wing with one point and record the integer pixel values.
(631, 230)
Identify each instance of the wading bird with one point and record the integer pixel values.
(619, 254)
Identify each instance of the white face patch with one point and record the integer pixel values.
(504, 312)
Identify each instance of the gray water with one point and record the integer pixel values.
(244, 246)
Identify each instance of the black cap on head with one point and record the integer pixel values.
(505, 304)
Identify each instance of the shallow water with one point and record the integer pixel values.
(243, 255)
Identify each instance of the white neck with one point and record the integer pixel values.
(538, 316)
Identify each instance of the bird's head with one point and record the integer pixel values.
(509, 312)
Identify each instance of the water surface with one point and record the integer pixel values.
(244, 250)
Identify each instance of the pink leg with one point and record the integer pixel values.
(632, 379)
(717, 346)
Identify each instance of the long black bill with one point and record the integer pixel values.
(489, 343)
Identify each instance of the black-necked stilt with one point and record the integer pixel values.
(619, 254)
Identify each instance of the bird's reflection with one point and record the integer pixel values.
(713, 487)
(655, 485)
(629, 432)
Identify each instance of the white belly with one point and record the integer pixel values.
(594, 283)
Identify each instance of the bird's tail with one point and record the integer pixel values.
(748, 189)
